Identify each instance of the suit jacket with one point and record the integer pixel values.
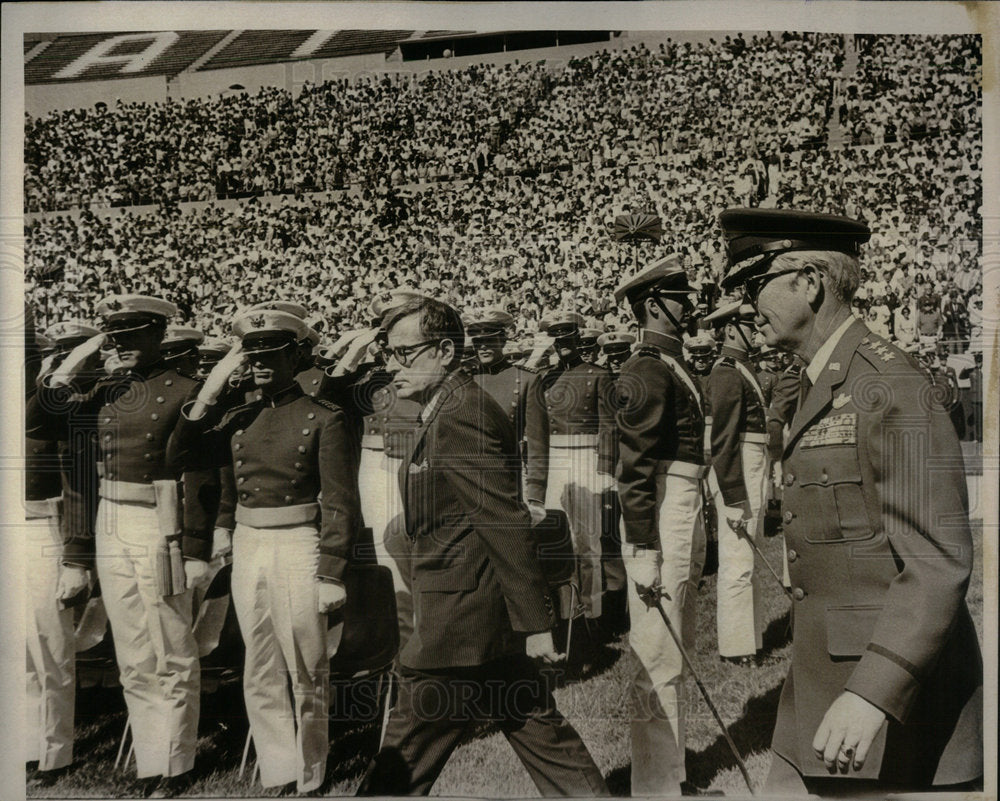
(472, 561)
(875, 519)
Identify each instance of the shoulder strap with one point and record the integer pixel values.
(682, 374)
(752, 380)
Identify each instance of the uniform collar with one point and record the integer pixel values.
(734, 353)
(815, 367)
(668, 343)
(495, 367)
(282, 397)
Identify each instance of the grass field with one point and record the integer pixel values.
(592, 693)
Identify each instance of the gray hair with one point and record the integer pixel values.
(842, 270)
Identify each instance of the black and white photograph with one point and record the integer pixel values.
(496, 400)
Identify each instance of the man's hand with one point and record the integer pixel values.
(222, 542)
(739, 516)
(195, 573)
(330, 595)
(847, 731)
(75, 360)
(642, 565)
(605, 482)
(72, 581)
(540, 646)
(218, 379)
(537, 511)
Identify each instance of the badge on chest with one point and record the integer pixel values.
(840, 429)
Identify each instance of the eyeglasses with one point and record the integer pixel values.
(405, 354)
(754, 286)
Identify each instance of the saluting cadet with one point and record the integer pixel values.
(616, 347)
(660, 474)
(495, 373)
(135, 412)
(57, 559)
(571, 449)
(738, 480)
(180, 349)
(589, 348)
(884, 691)
(294, 460)
(210, 351)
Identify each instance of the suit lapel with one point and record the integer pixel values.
(834, 374)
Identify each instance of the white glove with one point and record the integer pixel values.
(222, 542)
(195, 573)
(540, 646)
(642, 565)
(75, 361)
(739, 517)
(537, 512)
(218, 379)
(330, 595)
(72, 581)
(605, 482)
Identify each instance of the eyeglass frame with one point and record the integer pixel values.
(411, 351)
(758, 282)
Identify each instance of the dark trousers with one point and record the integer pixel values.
(435, 709)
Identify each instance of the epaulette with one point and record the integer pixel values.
(326, 404)
(646, 350)
(879, 353)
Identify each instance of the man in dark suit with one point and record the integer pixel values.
(885, 688)
(481, 609)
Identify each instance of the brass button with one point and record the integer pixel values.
(107, 438)
(789, 479)
(107, 419)
(798, 593)
(146, 477)
(148, 457)
(239, 463)
(154, 416)
(787, 517)
(792, 555)
(239, 433)
(305, 432)
(111, 475)
(237, 446)
(241, 479)
(288, 498)
(315, 381)
(159, 399)
(244, 495)
(824, 478)
(256, 489)
(311, 415)
(169, 382)
(149, 436)
(298, 465)
(295, 482)
(302, 448)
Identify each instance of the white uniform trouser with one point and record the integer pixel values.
(573, 486)
(382, 508)
(155, 648)
(658, 732)
(740, 606)
(51, 684)
(275, 598)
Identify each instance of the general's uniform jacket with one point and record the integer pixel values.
(472, 565)
(659, 420)
(737, 411)
(134, 415)
(292, 450)
(577, 399)
(879, 554)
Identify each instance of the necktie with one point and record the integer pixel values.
(804, 386)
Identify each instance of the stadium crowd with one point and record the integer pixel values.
(538, 172)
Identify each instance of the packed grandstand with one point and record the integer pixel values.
(495, 180)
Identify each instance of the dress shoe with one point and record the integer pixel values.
(749, 660)
(41, 779)
(171, 786)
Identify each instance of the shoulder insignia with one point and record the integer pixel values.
(834, 366)
(841, 400)
(326, 404)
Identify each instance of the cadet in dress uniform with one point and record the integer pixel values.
(180, 349)
(616, 347)
(589, 347)
(294, 459)
(135, 412)
(884, 692)
(495, 373)
(571, 449)
(56, 572)
(210, 351)
(660, 475)
(738, 479)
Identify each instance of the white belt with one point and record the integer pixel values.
(753, 439)
(127, 491)
(277, 516)
(37, 510)
(573, 441)
(373, 442)
(675, 467)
